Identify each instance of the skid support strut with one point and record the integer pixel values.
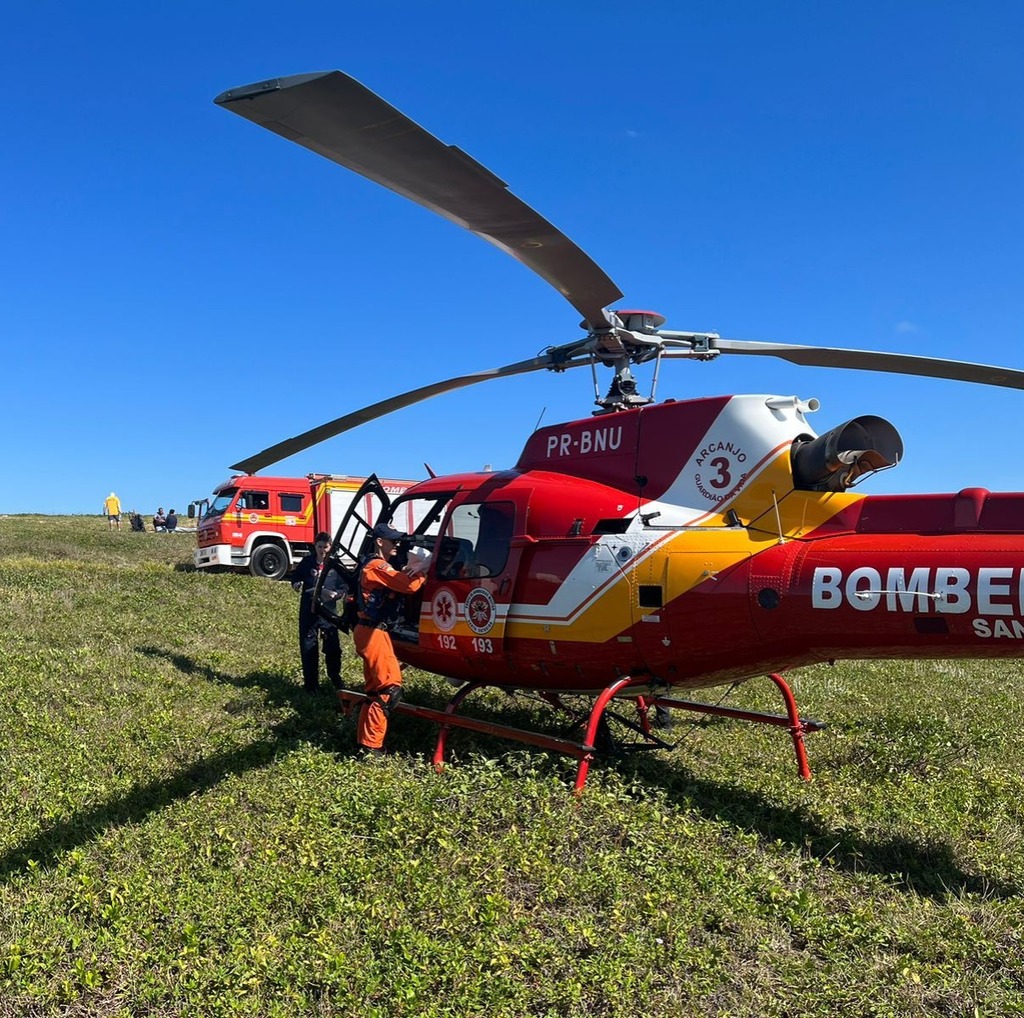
(585, 750)
(449, 718)
(798, 727)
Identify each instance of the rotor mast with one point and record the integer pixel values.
(632, 337)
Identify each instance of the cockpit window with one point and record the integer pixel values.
(476, 540)
(420, 517)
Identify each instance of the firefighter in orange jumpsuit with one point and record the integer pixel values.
(379, 583)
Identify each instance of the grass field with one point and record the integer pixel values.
(183, 832)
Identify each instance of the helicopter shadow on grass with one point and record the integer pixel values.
(927, 870)
(312, 721)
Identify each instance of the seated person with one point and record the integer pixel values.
(159, 520)
(171, 523)
(453, 558)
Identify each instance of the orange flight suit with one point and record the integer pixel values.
(373, 644)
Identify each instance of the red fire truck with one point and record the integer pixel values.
(266, 524)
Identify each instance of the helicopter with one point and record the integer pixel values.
(652, 548)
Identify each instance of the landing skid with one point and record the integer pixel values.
(593, 725)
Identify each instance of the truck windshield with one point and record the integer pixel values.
(222, 502)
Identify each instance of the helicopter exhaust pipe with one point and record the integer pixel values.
(836, 460)
(804, 406)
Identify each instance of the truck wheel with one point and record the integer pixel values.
(269, 561)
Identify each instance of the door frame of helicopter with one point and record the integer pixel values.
(585, 749)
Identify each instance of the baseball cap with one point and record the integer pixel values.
(388, 533)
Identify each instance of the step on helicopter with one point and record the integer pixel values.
(652, 548)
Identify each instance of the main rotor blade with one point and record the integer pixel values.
(872, 360)
(348, 421)
(337, 117)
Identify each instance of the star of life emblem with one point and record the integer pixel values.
(443, 610)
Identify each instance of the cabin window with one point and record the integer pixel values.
(291, 503)
(476, 540)
(258, 500)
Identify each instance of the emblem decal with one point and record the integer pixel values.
(480, 611)
(719, 467)
(443, 610)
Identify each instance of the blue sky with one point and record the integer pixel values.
(180, 289)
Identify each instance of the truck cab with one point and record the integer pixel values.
(267, 524)
(263, 524)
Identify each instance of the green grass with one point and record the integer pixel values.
(183, 832)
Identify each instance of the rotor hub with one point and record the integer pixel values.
(647, 322)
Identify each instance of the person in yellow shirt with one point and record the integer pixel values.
(112, 507)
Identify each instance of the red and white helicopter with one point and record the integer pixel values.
(652, 548)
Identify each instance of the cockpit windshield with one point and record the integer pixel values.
(419, 516)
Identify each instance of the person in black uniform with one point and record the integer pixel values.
(313, 630)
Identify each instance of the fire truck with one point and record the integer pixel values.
(267, 524)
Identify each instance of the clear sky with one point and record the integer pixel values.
(180, 289)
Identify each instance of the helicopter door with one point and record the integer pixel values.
(352, 539)
(369, 506)
(476, 560)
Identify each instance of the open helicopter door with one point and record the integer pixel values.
(333, 596)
